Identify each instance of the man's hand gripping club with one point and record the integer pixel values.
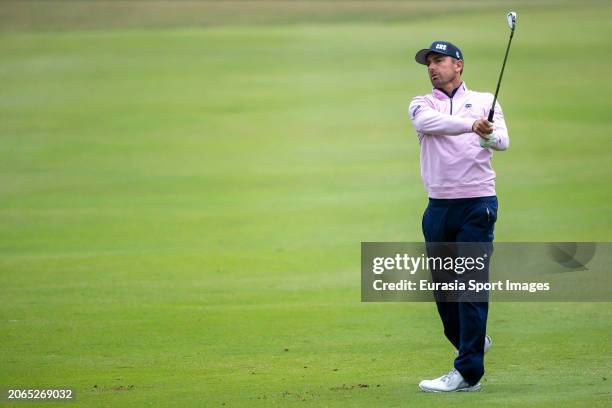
(484, 129)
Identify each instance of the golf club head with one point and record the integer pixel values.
(511, 20)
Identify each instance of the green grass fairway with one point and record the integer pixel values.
(181, 207)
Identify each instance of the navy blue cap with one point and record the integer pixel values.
(439, 47)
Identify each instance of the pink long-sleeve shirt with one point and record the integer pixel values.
(453, 164)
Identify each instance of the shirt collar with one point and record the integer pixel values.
(459, 91)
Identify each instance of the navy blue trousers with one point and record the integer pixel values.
(465, 323)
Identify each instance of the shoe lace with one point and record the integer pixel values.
(447, 377)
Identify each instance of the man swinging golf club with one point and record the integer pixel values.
(457, 141)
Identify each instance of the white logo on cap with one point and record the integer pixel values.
(458, 54)
(441, 47)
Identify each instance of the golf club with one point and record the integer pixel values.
(512, 24)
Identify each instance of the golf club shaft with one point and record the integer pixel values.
(501, 74)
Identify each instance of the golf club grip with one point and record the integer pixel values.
(491, 113)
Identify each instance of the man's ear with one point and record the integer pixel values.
(459, 65)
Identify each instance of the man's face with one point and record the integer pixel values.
(442, 69)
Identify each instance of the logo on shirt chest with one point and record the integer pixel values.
(468, 105)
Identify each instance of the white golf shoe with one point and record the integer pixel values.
(451, 382)
(487, 346)
(488, 343)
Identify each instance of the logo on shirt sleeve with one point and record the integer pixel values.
(415, 110)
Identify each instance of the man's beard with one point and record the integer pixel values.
(437, 83)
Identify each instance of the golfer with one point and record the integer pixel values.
(457, 144)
